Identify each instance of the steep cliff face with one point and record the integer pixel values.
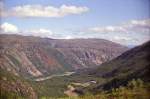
(34, 57)
(84, 53)
(134, 60)
(133, 64)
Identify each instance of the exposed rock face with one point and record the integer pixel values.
(133, 64)
(84, 53)
(134, 60)
(34, 56)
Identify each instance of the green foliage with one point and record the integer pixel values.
(10, 95)
(54, 88)
(14, 87)
(136, 89)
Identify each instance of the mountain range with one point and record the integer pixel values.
(36, 57)
(33, 67)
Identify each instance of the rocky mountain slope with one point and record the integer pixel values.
(133, 64)
(33, 56)
(15, 87)
(136, 59)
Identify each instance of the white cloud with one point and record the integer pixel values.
(133, 32)
(44, 11)
(65, 10)
(121, 38)
(68, 37)
(139, 26)
(129, 39)
(140, 23)
(39, 32)
(130, 33)
(8, 28)
(107, 29)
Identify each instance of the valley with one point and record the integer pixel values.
(52, 71)
(74, 49)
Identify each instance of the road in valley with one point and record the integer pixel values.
(55, 75)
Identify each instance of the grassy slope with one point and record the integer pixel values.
(15, 87)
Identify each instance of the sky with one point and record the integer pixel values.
(123, 21)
